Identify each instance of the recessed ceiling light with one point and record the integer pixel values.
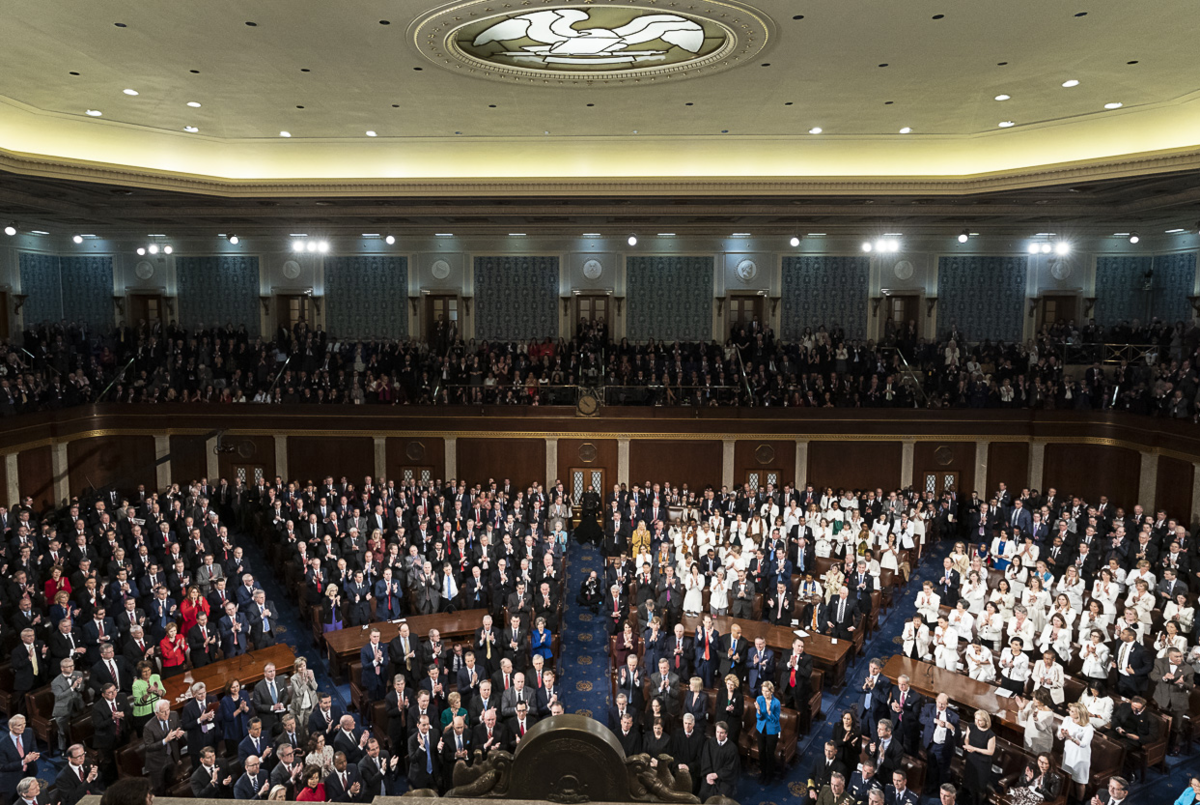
(311, 245)
(305, 70)
(798, 17)
(234, 239)
(443, 234)
(297, 245)
(765, 64)
(194, 104)
(883, 65)
(741, 234)
(78, 238)
(1002, 97)
(371, 134)
(888, 103)
(130, 91)
(323, 246)
(666, 234)
(94, 113)
(939, 16)
(632, 240)
(794, 242)
(191, 129)
(1062, 248)
(906, 130)
(194, 72)
(1134, 237)
(867, 247)
(10, 230)
(1081, 14)
(252, 24)
(815, 130)
(141, 250)
(418, 69)
(167, 249)
(120, 25)
(1033, 248)
(1007, 124)
(1071, 82)
(390, 240)
(1113, 105)
(1132, 62)
(153, 248)
(385, 22)
(285, 134)
(73, 73)
(1001, 64)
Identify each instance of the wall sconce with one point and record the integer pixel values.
(265, 301)
(119, 304)
(19, 300)
(720, 304)
(876, 301)
(1033, 303)
(1089, 302)
(566, 300)
(1195, 303)
(619, 300)
(169, 301)
(775, 303)
(467, 304)
(930, 304)
(316, 300)
(413, 300)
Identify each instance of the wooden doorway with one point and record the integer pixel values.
(291, 309)
(747, 312)
(441, 318)
(1058, 307)
(249, 474)
(422, 475)
(761, 476)
(145, 307)
(590, 308)
(903, 308)
(939, 481)
(581, 478)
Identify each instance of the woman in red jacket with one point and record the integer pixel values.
(192, 606)
(174, 650)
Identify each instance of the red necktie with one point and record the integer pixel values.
(706, 646)
(792, 677)
(506, 681)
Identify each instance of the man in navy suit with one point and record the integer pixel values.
(898, 793)
(234, 631)
(875, 695)
(345, 783)
(325, 718)
(760, 663)
(18, 755)
(254, 783)
(374, 657)
(1019, 520)
(939, 736)
(255, 744)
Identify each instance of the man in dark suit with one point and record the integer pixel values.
(1115, 793)
(720, 765)
(77, 779)
(255, 744)
(202, 641)
(261, 614)
(618, 711)
(733, 650)
(344, 784)
(863, 781)
(350, 741)
(874, 699)
(209, 780)
(948, 583)
(456, 746)
(841, 615)
(326, 717)
(760, 663)
(112, 724)
(628, 737)
(1173, 683)
(887, 751)
(777, 609)
(254, 782)
(424, 763)
(939, 737)
(1133, 663)
(615, 607)
(489, 735)
(1131, 727)
(17, 763)
(160, 737)
(199, 720)
(271, 697)
(707, 647)
(898, 793)
(795, 677)
(906, 708)
(111, 669)
(235, 631)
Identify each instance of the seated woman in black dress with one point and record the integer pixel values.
(1038, 782)
(657, 741)
(730, 706)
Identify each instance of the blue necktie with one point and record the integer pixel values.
(428, 759)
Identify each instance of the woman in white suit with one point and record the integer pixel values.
(980, 665)
(1004, 548)
(1095, 654)
(916, 638)
(1048, 675)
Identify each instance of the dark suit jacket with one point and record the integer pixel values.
(334, 792)
(418, 777)
(106, 733)
(372, 778)
(242, 788)
(203, 787)
(822, 769)
(71, 789)
(159, 756)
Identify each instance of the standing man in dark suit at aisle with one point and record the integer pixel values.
(875, 696)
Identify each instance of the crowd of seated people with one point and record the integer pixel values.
(60, 365)
(1084, 613)
(1076, 608)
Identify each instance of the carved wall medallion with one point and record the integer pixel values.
(764, 454)
(592, 269)
(588, 452)
(440, 269)
(414, 451)
(944, 456)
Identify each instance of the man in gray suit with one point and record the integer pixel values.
(68, 698)
(160, 737)
(271, 697)
(207, 573)
(1173, 682)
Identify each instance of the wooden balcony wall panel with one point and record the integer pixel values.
(1007, 462)
(1174, 488)
(695, 463)
(36, 477)
(855, 465)
(570, 456)
(311, 458)
(746, 459)
(522, 461)
(1091, 470)
(122, 460)
(189, 459)
(929, 456)
(423, 451)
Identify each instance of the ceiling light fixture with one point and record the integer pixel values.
(390, 240)
(1175, 231)
(906, 130)
(741, 234)
(44, 232)
(443, 234)
(191, 129)
(795, 241)
(153, 248)
(11, 229)
(867, 247)
(372, 134)
(1002, 97)
(94, 113)
(1033, 248)
(632, 241)
(1071, 82)
(1007, 124)
(194, 104)
(311, 246)
(1113, 105)
(234, 239)
(285, 134)
(666, 234)
(592, 235)
(78, 238)
(516, 234)
(1062, 248)
(815, 130)
(323, 247)
(1046, 248)
(167, 250)
(1134, 237)
(130, 91)
(141, 251)
(297, 245)
(964, 236)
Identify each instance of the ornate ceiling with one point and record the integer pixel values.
(572, 97)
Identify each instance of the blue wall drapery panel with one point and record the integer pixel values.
(42, 283)
(1119, 294)
(516, 298)
(669, 298)
(985, 295)
(216, 290)
(87, 287)
(1174, 279)
(366, 297)
(824, 291)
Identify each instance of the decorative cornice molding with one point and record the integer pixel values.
(1042, 176)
